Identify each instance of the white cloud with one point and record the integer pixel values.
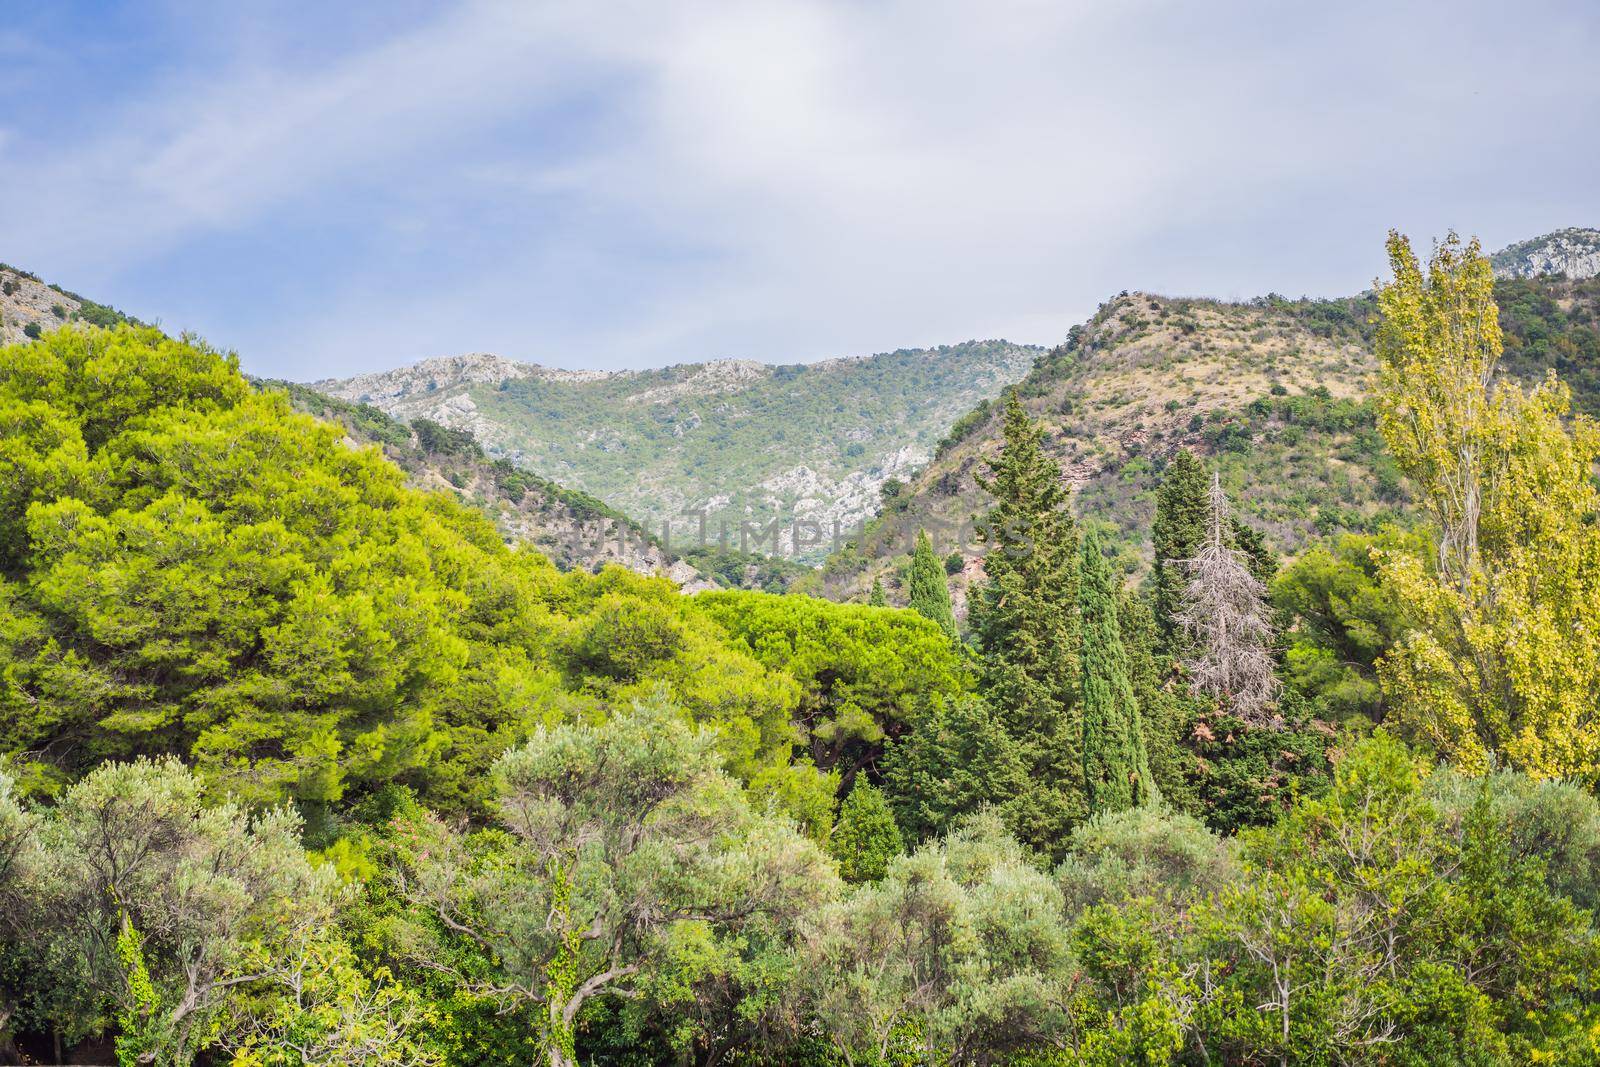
(786, 179)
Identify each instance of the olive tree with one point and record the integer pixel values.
(960, 950)
(622, 850)
(156, 907)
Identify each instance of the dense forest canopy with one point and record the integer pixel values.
(304, 766)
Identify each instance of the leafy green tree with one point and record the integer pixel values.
(192, 569)
(158, 908)
(863, 674)
(960, 952)
(1145, 852)
(625, 855)
(1024, 621)
(865, 838)
(1116, 770)
(1501, 661)
(877, 598)
(1176, 533)
(317, 1003)
(1340, 618)
(930, 596)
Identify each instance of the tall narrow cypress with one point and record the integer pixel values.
(1176, 535)
(876, 598)
(1116, 770)
(930, 596)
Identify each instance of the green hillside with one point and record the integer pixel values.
(1273, 392)
(740, 440)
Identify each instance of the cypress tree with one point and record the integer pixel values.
(877, 599)
(930, 596)
(865, 838)
(1178, 530)
(1024, 622)
(1116, 771)
(1166, 715)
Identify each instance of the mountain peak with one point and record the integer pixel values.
(1571, 253)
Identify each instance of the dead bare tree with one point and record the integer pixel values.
(1225, 615)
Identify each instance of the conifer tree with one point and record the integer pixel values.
(958, 758)
(1116, 770)
(1166, 714)
(1176, 534)
(865, 838)
(877, 599)
(1024, 622)
(930, 596)
(1228, 623)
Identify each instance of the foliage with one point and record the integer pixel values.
(1024, 623)
(961, 947)
(1496, 667)
(626, 856)
(1340, 618)
(151, 908)
(865, 838)
(957, 759)
(201, 572)
(864, 674)
(929, 595)
(1116, 770)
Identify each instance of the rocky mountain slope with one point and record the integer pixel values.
(28, 306)
(572, 528)
(742, 441)
(1572, 253)
(1271, 392)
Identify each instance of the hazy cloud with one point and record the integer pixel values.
(609, 184)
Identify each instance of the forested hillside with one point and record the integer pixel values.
(303, 765)
(1273, 392)
(569, 527)
(740, 440)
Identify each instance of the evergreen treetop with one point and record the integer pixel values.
(930, 596)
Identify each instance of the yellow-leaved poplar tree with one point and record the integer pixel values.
(1504, 663)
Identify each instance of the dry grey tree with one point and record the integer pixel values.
(1226, 618)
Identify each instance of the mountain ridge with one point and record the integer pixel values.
(737, 440)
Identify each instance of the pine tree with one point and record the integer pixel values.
(865, 838)
(930, 596)
(1228, 623)
(1024, 622)
(877, 599)
(1116, 770)
(1176, 534)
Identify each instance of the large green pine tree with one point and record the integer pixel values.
(1116, 770)
(1024, 622)
(930, 596)
(877, 598)
(1179, 527)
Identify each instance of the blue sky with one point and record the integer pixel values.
(334, 187)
